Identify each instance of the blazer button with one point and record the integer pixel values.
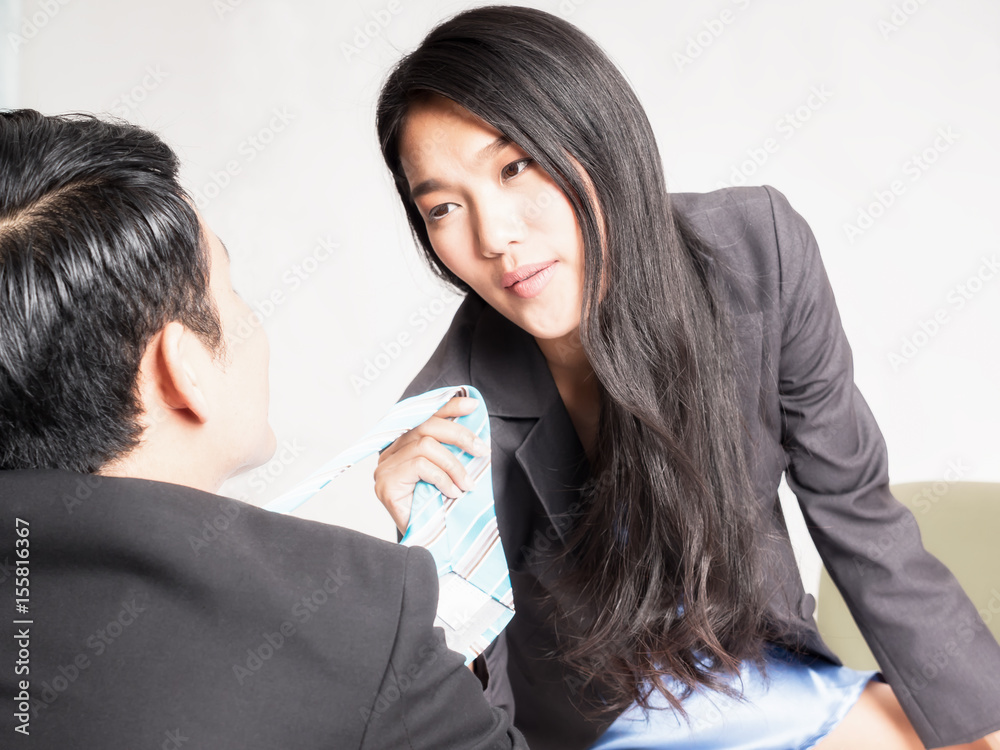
(808, 606)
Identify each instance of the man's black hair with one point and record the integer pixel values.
(100, 247)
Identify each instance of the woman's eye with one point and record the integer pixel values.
(515, 168)
(440, 211)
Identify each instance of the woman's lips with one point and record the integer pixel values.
(528, 281)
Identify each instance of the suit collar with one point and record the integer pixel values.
(556, 466)
(509, 369)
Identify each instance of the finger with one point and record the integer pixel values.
(444, 431)
(398, 487)
(458, 406)
(452, 433)
(444, 460)
(397, 474)
(442, 427)
(442, 479)
(395, 494)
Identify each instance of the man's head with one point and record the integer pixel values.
(116, 313)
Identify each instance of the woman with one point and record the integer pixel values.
(652, 363)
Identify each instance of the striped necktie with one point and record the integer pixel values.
(476, 601)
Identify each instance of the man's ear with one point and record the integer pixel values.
(179, 357)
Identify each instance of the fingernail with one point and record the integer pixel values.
(479, 447)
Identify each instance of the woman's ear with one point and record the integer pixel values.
(178, 360)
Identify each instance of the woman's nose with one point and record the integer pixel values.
(499, 225)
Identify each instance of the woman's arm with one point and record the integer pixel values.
(926, 634)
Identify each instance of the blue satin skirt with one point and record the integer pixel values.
(798, 703)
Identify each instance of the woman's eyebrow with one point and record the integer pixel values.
(488, 152)
(494, 148)
(427, 186)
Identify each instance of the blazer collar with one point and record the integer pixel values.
(510, 371)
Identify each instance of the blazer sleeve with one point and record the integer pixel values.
(930, 642)
(428, 699)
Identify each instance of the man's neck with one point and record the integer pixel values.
(156, 465)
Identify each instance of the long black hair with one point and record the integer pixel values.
(665, 551)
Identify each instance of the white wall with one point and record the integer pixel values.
(10, 23)
(210, 75)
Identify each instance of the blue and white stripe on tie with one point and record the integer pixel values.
(476, 601)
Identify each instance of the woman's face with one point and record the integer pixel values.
(495, 218)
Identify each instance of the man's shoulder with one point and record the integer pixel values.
(214, 540)
(105, 506)
(293, 614)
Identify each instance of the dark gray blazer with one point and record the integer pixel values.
(167, 617)
(806, 418)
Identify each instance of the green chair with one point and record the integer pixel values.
(960, 525)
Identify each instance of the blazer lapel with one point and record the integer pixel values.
(510, 371)
(556, 466)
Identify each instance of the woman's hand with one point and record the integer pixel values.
(419, 455)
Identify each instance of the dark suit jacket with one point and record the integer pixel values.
(167, 617)
(805, 417)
